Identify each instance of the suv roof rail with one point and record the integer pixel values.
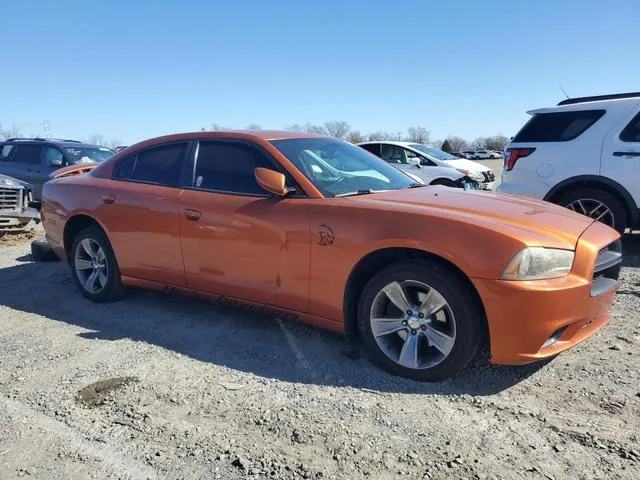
(24, 139)
(40, 139)
(596, 98)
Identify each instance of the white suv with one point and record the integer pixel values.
(583, 154)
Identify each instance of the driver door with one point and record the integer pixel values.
(238, 240)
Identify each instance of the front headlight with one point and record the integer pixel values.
(539, 263)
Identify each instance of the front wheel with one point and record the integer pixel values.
(94, 266)
(419, 320)
(443, 181)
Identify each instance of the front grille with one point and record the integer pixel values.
(10, 199)
(607, 268)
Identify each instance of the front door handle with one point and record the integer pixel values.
(108, 199)
(193, 215)
(626, 154)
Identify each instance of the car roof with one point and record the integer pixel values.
(51, 141)
(391, 142)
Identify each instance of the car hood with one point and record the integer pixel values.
(75, 169)
(467, 164)
(532, 221)
(428, 173)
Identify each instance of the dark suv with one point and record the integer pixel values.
(34, 159)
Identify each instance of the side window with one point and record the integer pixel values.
(5, 151)
(393, 154)
(27, 154)
(372, 148)
(123, 169)
(230, 167)
(557, 126)
(160, 165)
(53, 157)
(631, 132)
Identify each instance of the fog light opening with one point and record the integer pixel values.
(554, 337)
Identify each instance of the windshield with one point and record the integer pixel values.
(336, 167)
(434, 152)
(82, 155)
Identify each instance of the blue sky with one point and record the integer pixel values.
(137, 69)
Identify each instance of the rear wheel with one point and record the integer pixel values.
(94, 266)
(597, 204)
(419, 320)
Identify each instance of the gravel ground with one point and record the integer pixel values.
(161, 387)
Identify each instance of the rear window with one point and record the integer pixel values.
(631, 132)
(557, 126)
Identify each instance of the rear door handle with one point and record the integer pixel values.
(626, 154)
(193, 215)
(108, 199)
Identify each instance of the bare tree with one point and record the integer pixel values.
(216, 127)
(354, 136)
(337, 128)
(496, 142)
(113, 143)
(315, 129)
(296, 127)
(97, 139)
(479, 143)
(254, 126)
(379, 135)
(11, 132)
(458, 144)
(418, 135)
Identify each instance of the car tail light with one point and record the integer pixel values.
(514, 154)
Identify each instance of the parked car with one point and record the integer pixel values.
(15, 205)
(460, 155)
(395, 152)
(33, 159)
(484, 155)
(583, 154)
(252, 219)
(499, 154)
(120, 147)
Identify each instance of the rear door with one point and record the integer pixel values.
(25, 164)
(621, 154)
(141, 213)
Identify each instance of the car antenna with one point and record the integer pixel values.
(565, 93)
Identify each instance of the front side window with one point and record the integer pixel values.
(337, 168)
(160, 165)
(433, 152)
(5, 151)
(631, 132)
(229, 167)
(393, 154)
(27, 154)
(557, 126)
(53, 156)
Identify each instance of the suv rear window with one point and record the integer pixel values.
(631, 132)
(557, 126)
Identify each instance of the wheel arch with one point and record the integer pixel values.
(74, 225)
(597, 181)
(375, 261)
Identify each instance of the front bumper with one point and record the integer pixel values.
(532, 320)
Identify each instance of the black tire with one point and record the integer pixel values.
(42, 252)
(469, 322)
(443, 181)
(113, 288)
(615, 206)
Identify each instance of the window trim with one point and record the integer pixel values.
(188, 151)
(635, 121)
(16, 147)
(191, 173)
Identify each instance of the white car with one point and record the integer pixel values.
(484, 155)
(403, 152)
(583, 154)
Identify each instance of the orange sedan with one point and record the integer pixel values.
(312, 228)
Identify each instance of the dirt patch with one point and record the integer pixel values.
(10, 239)
(95, 394)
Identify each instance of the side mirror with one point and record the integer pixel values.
(271, 181)
(415, 161)
(55, 162)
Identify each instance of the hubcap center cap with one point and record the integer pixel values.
(414, 322)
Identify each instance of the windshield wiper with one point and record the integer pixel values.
(365, 191)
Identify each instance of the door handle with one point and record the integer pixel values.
(626, 154)
(108, 199)
(193, 215)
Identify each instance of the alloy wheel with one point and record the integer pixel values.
(90, 265)
(594, 209)
(413, 324)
